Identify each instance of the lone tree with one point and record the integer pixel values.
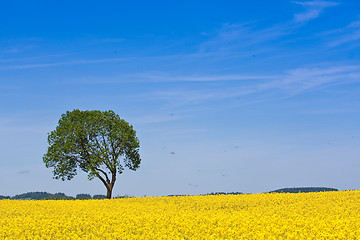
(99, 143)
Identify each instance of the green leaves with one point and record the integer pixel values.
(99, 143)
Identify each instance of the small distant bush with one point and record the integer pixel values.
(4, 197)
(99, 196)
(83, 196)
(60, 196)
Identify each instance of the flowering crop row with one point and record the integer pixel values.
(325, 215)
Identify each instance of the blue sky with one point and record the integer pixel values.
(224, 95)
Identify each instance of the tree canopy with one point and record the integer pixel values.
(99, 143)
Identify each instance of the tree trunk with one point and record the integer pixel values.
(109, 191)
(110, 185)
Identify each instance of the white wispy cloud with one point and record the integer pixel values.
(284, 84)
(348, 34)
(163, 77)
(290, 83)
(298, 81)
(206, 96)
(301, 80)
(240, 36)
(46, 57)
(56, 64)
(234, 37)
(313, 9)
(27, 62)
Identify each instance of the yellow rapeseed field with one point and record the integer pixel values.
(325, 215)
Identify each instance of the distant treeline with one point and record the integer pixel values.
(62, 196)
(49, 196)
(304, 190)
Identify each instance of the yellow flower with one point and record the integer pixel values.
(325, 215)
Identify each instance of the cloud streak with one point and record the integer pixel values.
(349, 34)
(65, 63)
(313, 9)
(240, 36)
(161, 77)
(290, 83)
(301, 80)
(234, 37)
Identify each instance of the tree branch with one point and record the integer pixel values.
(86, 150)
(103, 172)
(102, 179)
(107, 150)
(97, 143)
(93, 151)
(113, 178)
(106, 159)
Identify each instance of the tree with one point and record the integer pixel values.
(99, 143)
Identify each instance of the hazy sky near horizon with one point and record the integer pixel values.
(232, 96)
